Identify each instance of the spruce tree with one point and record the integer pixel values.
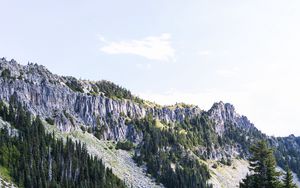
(263, 168)
(288, 180)
(36, 158)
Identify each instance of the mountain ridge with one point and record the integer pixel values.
(111, 112)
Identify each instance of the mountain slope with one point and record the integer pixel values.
(174, 143)
(119, 161)
(31, 157)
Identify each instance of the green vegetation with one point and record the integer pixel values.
(191, 133)
(3, 111)
(288, 180)
(285, 154)
(99, 129)
(5, 73)
(50, 121)
(35, 158)
(83, 128)
(180, 105)
(263, 168)
(112, 90)
(74, 85)
(126, 145)
(166, 158)
(4, 174)
(109, 89)
(68, 116)
(236, 134)
(168, 151)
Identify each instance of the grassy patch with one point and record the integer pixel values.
(4, 173)
(159, 125)
(183, 132)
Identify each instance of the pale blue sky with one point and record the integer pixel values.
(242, 52)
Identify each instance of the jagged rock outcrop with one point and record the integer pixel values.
(11, 131)
(221, 113)
(49, 96)
(73, 104)
(52, 96)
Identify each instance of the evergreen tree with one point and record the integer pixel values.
(35, 158)
(263, 167)
(288, 180)
(162, 151)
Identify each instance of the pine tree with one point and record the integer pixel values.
(263, 166)
(288, 180)
(35, 158)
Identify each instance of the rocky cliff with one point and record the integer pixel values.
(51, 96)
(222, 113)
(73, 104)
(47, 95)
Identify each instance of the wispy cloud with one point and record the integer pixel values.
(152, 47)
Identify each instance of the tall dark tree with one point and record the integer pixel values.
(263, 168)
(162, 151)
(35, 158)
(288, 179)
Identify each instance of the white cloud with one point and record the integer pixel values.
(151, 47)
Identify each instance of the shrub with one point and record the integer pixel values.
(90, 130)
(5, 73)
(229, 162)
(50, 121)
(75, 86)
(83, 128)
(214, 165)
(223, 161)
(127, 145)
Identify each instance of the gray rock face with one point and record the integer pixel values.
(221, 113)
(47, 95)
(11, 131)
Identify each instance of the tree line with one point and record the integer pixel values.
(35, 158)
(163, 152)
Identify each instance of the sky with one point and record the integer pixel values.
(199, 52)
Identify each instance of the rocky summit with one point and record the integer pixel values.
(145, 144)
(73, 103)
